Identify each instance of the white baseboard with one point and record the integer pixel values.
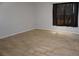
(59, 30)
(36, 28)
(15, 33)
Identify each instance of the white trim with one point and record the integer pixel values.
(37, 28)
(15, 33)
(58, 30)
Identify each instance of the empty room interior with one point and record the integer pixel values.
(39, 29)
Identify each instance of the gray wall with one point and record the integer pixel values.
(15, 17)
(44, 18)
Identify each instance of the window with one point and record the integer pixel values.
(65, 14)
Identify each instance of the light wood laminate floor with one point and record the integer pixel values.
(40, 43)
